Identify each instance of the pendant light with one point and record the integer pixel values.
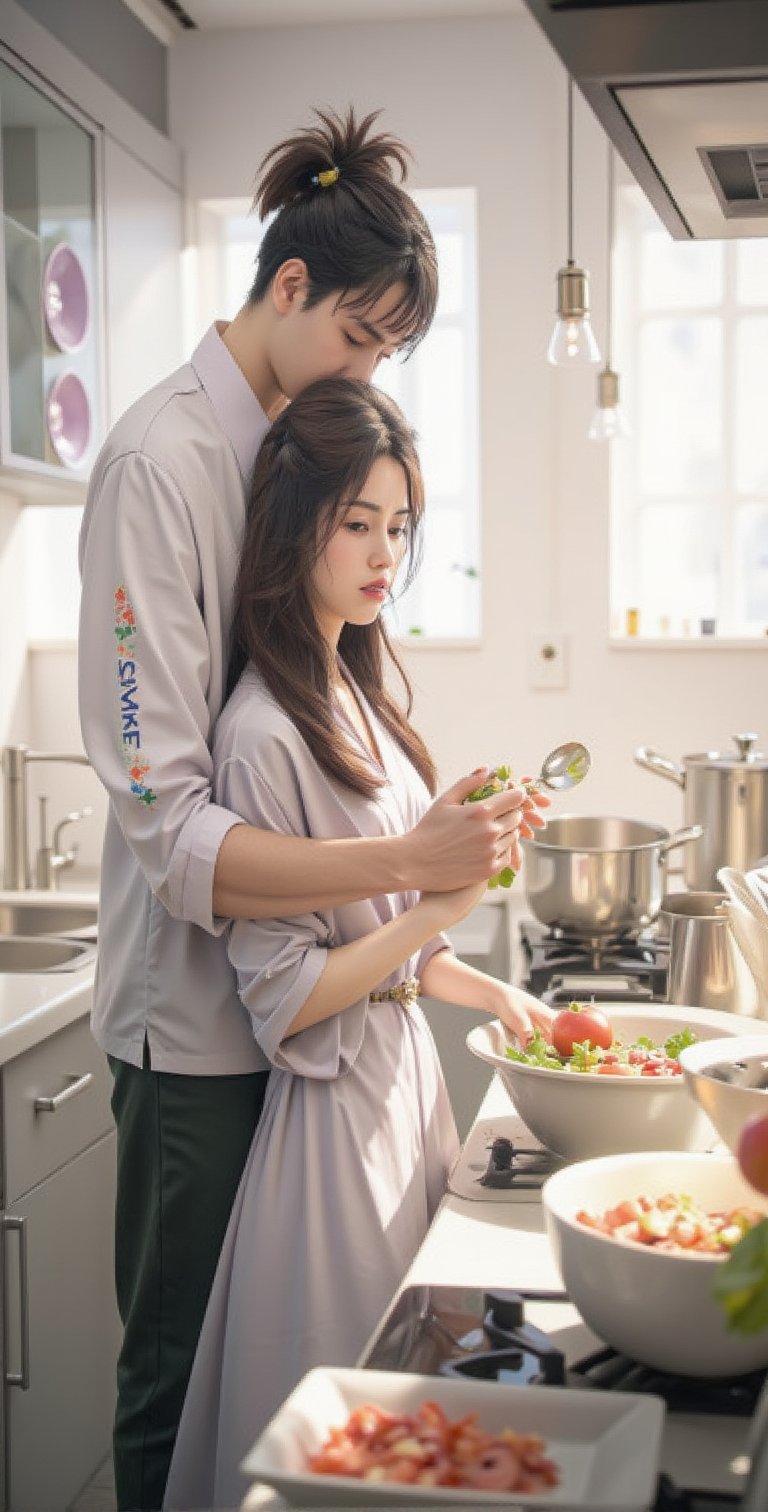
(608, 420)
(573, 341)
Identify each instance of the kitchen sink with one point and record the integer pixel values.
(28, 953)
(24, 916)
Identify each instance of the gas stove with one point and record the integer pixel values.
(489, 1335)
(501, 1161)
(628, 968)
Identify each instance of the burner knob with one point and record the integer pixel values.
(502, 1153)
(506, 1309)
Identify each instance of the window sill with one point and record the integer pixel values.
(69, 644)
(435, 643)
(687, 643)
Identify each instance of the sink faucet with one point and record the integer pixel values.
(15, 760)
(51, 859)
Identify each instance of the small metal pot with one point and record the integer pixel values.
(727, 793)
(597, 878)
(706, 967)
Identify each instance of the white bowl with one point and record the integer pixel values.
(654, 1306)
(606, 1444)
(578, 1116)
(727, 1104)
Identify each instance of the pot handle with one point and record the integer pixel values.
(681, 837)
(646, 757)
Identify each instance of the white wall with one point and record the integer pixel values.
(14, 705)
(484, 102)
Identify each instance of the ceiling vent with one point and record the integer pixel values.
(681, 89)
(739, 176)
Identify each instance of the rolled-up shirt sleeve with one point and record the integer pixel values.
(280, 961)
(440, 942)
(150, 681)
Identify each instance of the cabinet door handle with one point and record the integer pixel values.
(21, 1377)
(77, 1084)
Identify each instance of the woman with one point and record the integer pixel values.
(346, 276)
(356, 1139)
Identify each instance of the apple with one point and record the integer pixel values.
(752, 1151)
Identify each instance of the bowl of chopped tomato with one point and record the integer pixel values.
(639, 1239)
(360, 1438)
(626, 1093)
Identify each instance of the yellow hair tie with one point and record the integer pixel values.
(325, 178)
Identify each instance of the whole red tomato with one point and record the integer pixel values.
(752, 1151)
(580, 1022)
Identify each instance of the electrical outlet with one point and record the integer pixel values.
(547, 661)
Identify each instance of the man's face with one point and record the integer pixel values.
(330, 340)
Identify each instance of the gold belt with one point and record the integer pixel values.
(405, 992)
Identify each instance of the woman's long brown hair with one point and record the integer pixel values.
(311, 466)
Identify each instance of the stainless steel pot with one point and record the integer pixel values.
(706, 967)
(594, 878)
(726, 793)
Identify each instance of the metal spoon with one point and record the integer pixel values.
(563, 768)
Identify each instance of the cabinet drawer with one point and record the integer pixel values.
(38, 1142)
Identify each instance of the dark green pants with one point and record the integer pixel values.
(182, 1142)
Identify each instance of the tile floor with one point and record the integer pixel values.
(99, 1494)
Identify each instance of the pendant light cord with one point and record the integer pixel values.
(609, 269)
(570, 169)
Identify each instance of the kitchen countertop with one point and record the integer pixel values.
(34, 1005)
(487, 1244)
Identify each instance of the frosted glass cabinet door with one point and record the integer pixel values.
(50, 285)
(58, 1431)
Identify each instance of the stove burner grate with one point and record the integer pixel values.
(442, 1330)
(735, 1397)
(550, 956)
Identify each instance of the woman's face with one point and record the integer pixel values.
(354, 573)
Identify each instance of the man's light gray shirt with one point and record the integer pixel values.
(159, 552)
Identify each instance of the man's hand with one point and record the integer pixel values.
(458, 843)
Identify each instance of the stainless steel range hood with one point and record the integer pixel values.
(681, 88)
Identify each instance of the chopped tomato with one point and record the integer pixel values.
(671, 1223)
(428, 1449)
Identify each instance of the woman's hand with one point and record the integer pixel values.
(521, 1013)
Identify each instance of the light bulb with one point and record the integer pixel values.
(573, 340)
(573, 343)
(608, 420)
(608, 423)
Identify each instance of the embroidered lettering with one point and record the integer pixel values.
(128, 671)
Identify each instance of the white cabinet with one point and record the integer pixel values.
(50, 290)
(61, 1325)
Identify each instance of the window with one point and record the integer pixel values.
(689, 488)
(437, 388)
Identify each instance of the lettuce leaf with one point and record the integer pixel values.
(741, 1283)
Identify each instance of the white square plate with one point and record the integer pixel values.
(606, 1444)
